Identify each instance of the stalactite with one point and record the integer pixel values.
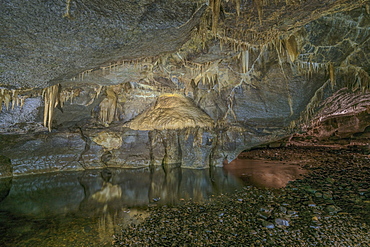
(13, 97)
(292, 48)
(290, 103)
(278, 51)
(259, 5)
(238, 45)
(311, 107)
(4, 98)
(208, 73)
(293, 124)
(237, 6)
(215, 6)
(245, 61)
(51, 97)
(308, 68)
(362, 80)
(332, 75)
(68, 9)
(97, 93)
(108, 107)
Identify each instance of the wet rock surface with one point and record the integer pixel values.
(85, 208)
(6, 169)
(43, 152)
(328, 207)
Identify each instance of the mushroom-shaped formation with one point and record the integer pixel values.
(171, 111)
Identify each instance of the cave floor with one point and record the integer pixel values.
(329, 206)
(328, 203)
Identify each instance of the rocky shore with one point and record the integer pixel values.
(329, 206)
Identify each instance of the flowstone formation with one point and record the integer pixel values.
(87, 84)
(171, 111)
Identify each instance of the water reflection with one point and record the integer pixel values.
(84, 208)
(264, 174)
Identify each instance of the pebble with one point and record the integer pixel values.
(282, 222)
(317, 210)
(268, 225)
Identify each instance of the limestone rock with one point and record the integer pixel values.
(171, 111)
(140, 83)
(109, 140)
(6, 169)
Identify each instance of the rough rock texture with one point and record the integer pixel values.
(5, 167)
(42, 152)
(45, 42)
(171, 111)
(140, 83)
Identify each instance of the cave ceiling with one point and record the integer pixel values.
(205, 78)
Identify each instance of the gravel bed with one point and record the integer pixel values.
(328, 207)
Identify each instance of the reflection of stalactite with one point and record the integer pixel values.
(108, 107)
(108, 192)
(51, 100)
(165, 184)
(106, 226)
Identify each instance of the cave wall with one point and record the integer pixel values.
(134, 84)
(45, 42)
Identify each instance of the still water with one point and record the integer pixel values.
(87, 208)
